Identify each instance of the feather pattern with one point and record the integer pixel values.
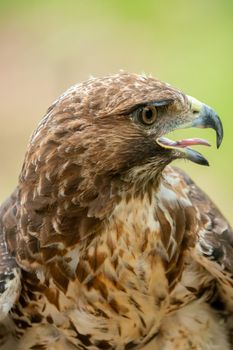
(103, 245)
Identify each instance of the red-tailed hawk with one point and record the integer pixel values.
(103, 245)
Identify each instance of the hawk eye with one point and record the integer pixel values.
(147, 115)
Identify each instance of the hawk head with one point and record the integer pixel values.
(102, 138)
(117, 123)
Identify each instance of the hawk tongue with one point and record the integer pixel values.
(191, 142)
(183, 143)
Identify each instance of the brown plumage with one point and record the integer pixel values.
(103, 244)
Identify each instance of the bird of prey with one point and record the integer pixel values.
(103, 244)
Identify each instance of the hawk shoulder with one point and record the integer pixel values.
(214, 245)
(10, 284)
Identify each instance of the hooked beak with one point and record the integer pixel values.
(200, 116)
(206, 117)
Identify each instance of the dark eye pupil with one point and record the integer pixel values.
(148, 113)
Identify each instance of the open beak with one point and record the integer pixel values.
(201, 116)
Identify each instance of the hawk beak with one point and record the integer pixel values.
(200, 116)
(206, 117)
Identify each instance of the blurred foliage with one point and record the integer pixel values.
(48, 45)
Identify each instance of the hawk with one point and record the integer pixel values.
(103, 244)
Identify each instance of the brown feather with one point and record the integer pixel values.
(116, 249)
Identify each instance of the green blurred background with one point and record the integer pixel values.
(46, 46)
